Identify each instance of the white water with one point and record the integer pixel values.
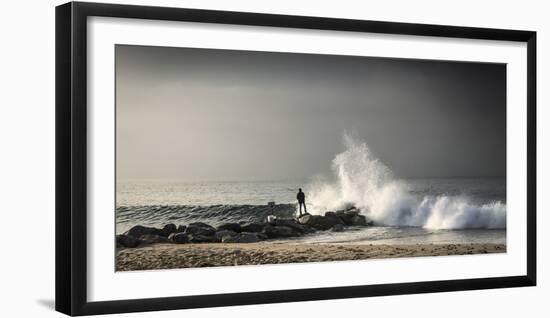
(362, 180)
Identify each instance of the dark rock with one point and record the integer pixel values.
(140, 230)
(179, 238)
(262, 236)
(198, 238)
(199, 228)
(168, 229)
(267, 228)
(223, 233)
(235, 227)
(330, 214)
(315, 221)
(253, 227)
(291, 223)
(309, 220)
(333, 217)
(181, 229)
(244, 237)
(126, 241)
(346, 218)
(359, 220)
(337, 228)
(285, 231)
(309, 229)
(320, 222)
(152, 239)
(280, 231)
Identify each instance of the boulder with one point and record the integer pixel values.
(337, 228)
(126, 241)
(308, 219)
(179, 238)
(235, 227)
(290, 223)
(198, 238)
(253, 227)
(309, 229)
(304, 219)
(280, 231)
(140, 230)
(152, 239)
(320, 222)
(359, 220)
(333, 217)
(244, 237)
(262, 236)
(199, 228)
(223, 233)
(330, 214)
(181, 229)
(345, 217)
(168, 229)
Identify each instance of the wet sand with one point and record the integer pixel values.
(169, 256)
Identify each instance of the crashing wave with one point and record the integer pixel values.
(362, 180)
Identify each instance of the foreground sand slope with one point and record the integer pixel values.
(166, 256)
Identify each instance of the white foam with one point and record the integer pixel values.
(362, 180)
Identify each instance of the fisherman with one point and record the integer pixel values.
(301, 201)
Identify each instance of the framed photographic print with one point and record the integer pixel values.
(211, 158)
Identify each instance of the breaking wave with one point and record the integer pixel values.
(362, 180)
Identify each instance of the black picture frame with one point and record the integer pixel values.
(71, 157)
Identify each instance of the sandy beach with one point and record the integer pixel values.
(169, 256)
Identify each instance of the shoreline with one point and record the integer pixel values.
(173, 256)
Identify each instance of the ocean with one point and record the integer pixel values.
(404, 210)
(412, 210)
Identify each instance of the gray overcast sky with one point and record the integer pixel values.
(200, 114)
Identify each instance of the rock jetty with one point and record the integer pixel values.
(199, 232)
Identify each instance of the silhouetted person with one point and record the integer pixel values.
(301, 201)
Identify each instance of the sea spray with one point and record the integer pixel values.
(362, 180)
